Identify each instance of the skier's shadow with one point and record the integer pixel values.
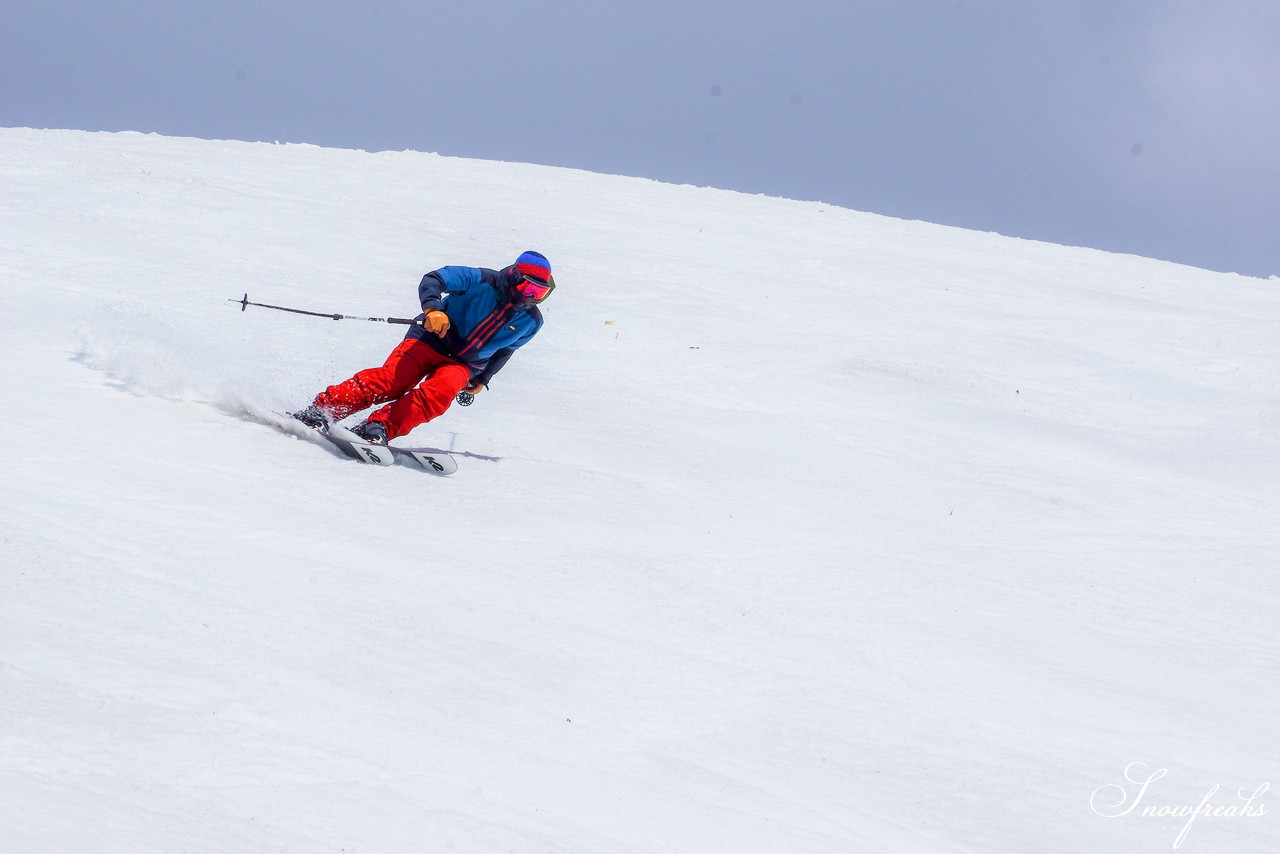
(468, 454)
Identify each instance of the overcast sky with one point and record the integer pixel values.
(1126, 125)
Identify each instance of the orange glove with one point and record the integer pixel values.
(436, 322)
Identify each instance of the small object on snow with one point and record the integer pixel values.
(466, 398)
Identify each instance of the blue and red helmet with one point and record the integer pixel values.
(535, 281)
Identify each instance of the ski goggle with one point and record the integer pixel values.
(534, 289)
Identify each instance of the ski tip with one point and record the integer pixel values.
(435, 462)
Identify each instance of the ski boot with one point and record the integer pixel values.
(313, 417)
(373, 432)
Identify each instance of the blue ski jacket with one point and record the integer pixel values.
(488, 319)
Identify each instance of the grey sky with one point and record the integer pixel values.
(1127, 125)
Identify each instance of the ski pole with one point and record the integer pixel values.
(244, 304)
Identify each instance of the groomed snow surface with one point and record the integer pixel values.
(796, 530)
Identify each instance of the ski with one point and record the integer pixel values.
(356, 448)
(425, 459)
(431, 461)
(435, 462)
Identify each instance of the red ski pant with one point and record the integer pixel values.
(409, 364)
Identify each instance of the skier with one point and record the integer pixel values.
(472, 320)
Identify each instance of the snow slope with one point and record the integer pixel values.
(809, 530)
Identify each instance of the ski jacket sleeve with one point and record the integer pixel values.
(495, 364)
(455, 280)
(430, 292)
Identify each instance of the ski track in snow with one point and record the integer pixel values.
(811, 530)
